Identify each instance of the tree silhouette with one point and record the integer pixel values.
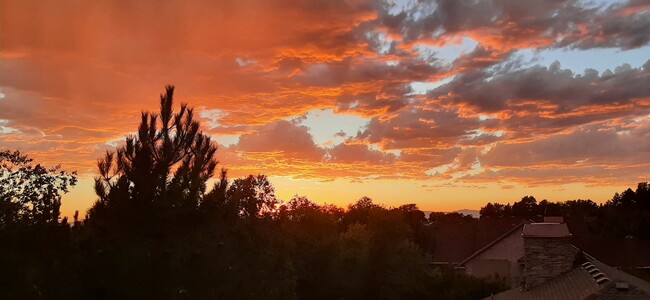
(627, 214)
(30, 194)
(359, 212)
(146, 221)
(253, 195)
(526, 207)
(216, 202)
(33, 242)
(165, 166)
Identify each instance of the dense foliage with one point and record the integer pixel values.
(625, 215)
(33, 242)
(157, 232)
(528, 207)
(30, 194)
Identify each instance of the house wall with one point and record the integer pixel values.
(501, 259)
(490, 268)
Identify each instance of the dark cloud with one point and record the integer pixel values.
(349, 71)
(417, 127)
(340, 133)
(480, 58)
(370, 86)
(622, 26)
(590, 145)
(431, 157)
(481, 139)
(508, 24)
(282, 136)
(550, 97)
(554, 175)
(359, 153)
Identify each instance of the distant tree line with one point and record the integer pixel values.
(158, 231)
(528, 207)
(625, 215)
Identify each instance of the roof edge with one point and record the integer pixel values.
(479, 251)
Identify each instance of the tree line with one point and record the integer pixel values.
(625, 215)
(157, 230)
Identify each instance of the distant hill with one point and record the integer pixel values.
(471, 212)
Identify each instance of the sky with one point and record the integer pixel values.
(448, 104)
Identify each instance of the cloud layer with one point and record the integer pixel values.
(74, 76)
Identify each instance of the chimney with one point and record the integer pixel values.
(547, 252)
(553, 219)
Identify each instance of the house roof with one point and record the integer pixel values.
(507, 233)
(456, 240)
(553, 219)
(576, 284)
(579, 284)
(546, 230)
(617, 275)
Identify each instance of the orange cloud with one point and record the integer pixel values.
(74, 76)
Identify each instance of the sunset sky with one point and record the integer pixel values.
(447, 104)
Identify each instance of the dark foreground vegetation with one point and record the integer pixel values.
(157, 231)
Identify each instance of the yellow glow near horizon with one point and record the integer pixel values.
(390, 193)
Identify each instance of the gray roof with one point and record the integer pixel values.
(479, 251)
(575, 284)
(579, 284)
(546, 230)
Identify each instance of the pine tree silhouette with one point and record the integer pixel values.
(163, 169)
